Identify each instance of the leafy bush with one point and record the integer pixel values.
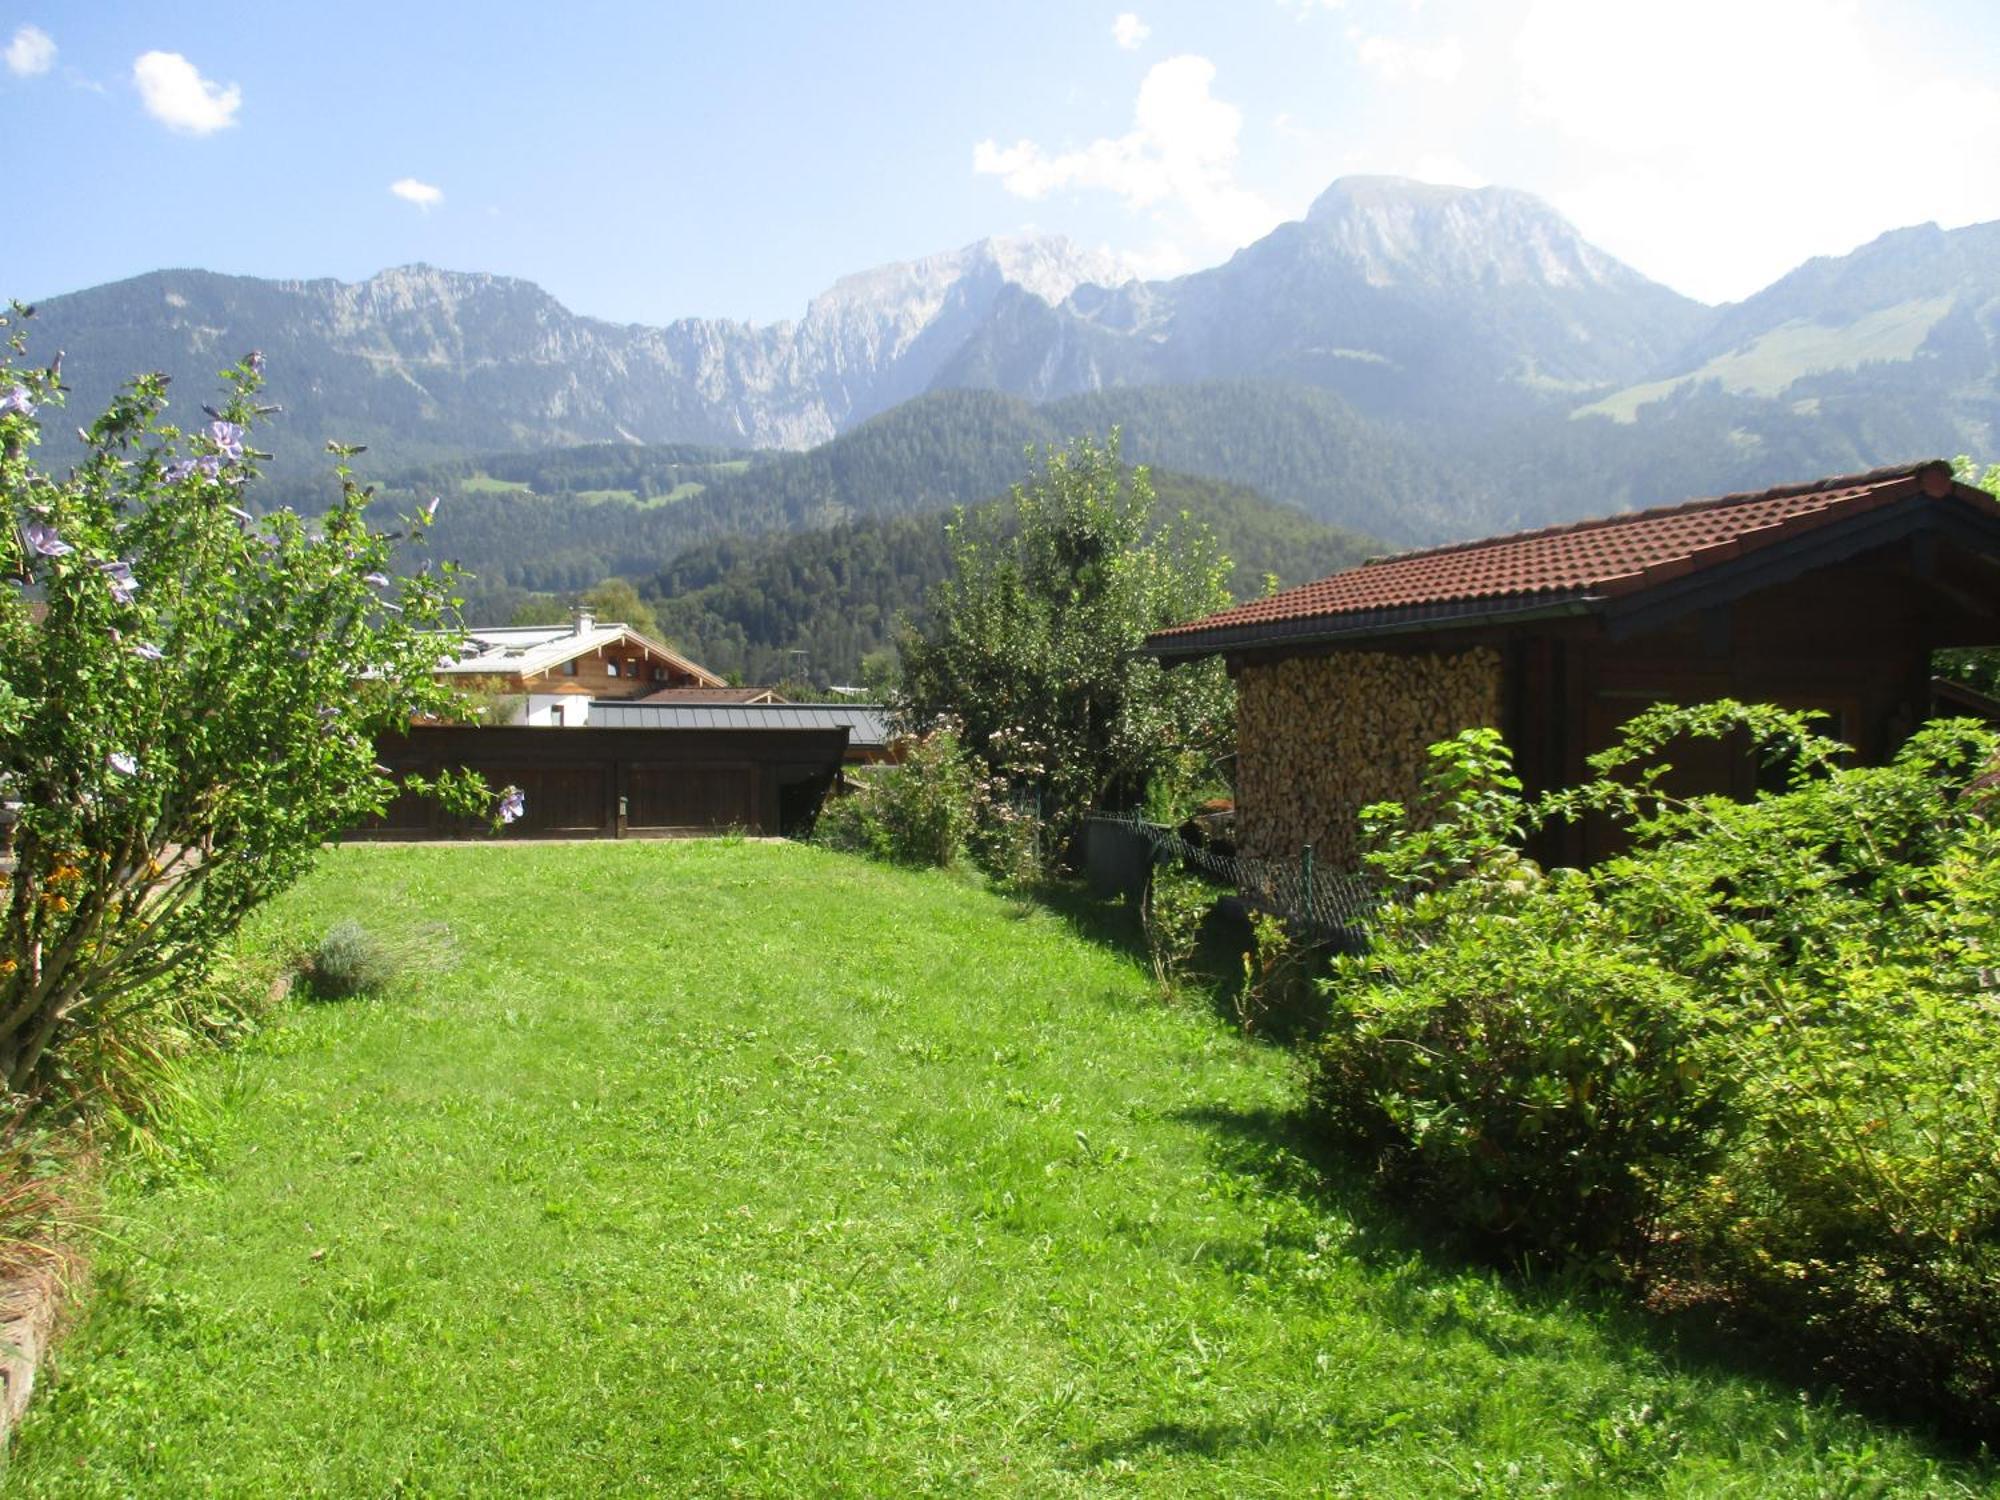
(1176, 905)
(1752, 1059)
(919, 811)
(1008, 839)
(1270, 966)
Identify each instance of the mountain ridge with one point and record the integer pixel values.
(1474, 331)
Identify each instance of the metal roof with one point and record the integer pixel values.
(866, 724)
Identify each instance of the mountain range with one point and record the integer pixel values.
(1466, 358)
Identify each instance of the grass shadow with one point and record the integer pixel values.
(1419, 1261)
(1215, 975)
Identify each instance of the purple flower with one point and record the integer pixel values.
(254, 360)
(17, 400)
(208, 466)
(122, 763)
(228, 440)
(119, 576)
(146, 652)
(41, 537)
(513, 803)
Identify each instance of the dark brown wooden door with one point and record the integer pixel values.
(673, 798)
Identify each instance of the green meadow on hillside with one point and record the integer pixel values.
(717, 1168)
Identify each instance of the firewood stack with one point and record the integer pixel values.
(1318, 738)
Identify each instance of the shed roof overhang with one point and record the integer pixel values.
(1960, 519)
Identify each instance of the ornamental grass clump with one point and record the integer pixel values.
(189, 698)
(351, 960)
(1752, 1061)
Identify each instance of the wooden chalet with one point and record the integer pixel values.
(583, 659)
(1829, 595)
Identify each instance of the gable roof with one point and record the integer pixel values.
(1572, 569)
(528, 650)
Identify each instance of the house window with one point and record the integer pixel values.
(659, 674)
(569, 667)
(611, 669)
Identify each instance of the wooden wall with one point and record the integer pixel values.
(618, 783)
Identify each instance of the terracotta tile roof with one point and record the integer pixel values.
(1579, 563)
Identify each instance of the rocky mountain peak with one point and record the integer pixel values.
(1398, 231)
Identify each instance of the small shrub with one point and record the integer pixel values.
(921, 811)
(350, 960)
(1271, 969)
(1007, 842)
(1177, 904)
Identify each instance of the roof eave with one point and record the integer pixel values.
(1374, 624)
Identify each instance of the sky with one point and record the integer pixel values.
(650, 161)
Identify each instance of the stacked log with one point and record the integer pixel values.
(1320, 737)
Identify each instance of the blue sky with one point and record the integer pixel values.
(650, 161)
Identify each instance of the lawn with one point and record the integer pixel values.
(747, 1169)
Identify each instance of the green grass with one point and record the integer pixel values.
(1771, 362)
(486, 484)
(742, 1169)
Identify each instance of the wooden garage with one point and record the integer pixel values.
(619, 782)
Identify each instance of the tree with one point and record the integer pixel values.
(1032, 641)
(189, 708)
(539, 609)
(616, 599)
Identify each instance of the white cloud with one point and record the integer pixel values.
(1686, 151)
(175, 94)
(1128, 30)
(1398, 61)
(1179, 157)
(1304, 8)
(32, 51)
(423, 194)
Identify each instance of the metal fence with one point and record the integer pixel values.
(1335, 904)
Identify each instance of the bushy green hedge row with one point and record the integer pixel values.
(1753, 1060)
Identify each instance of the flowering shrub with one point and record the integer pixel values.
(1754, 1059)
(920, 811)
(189, 696)
(937, 806)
